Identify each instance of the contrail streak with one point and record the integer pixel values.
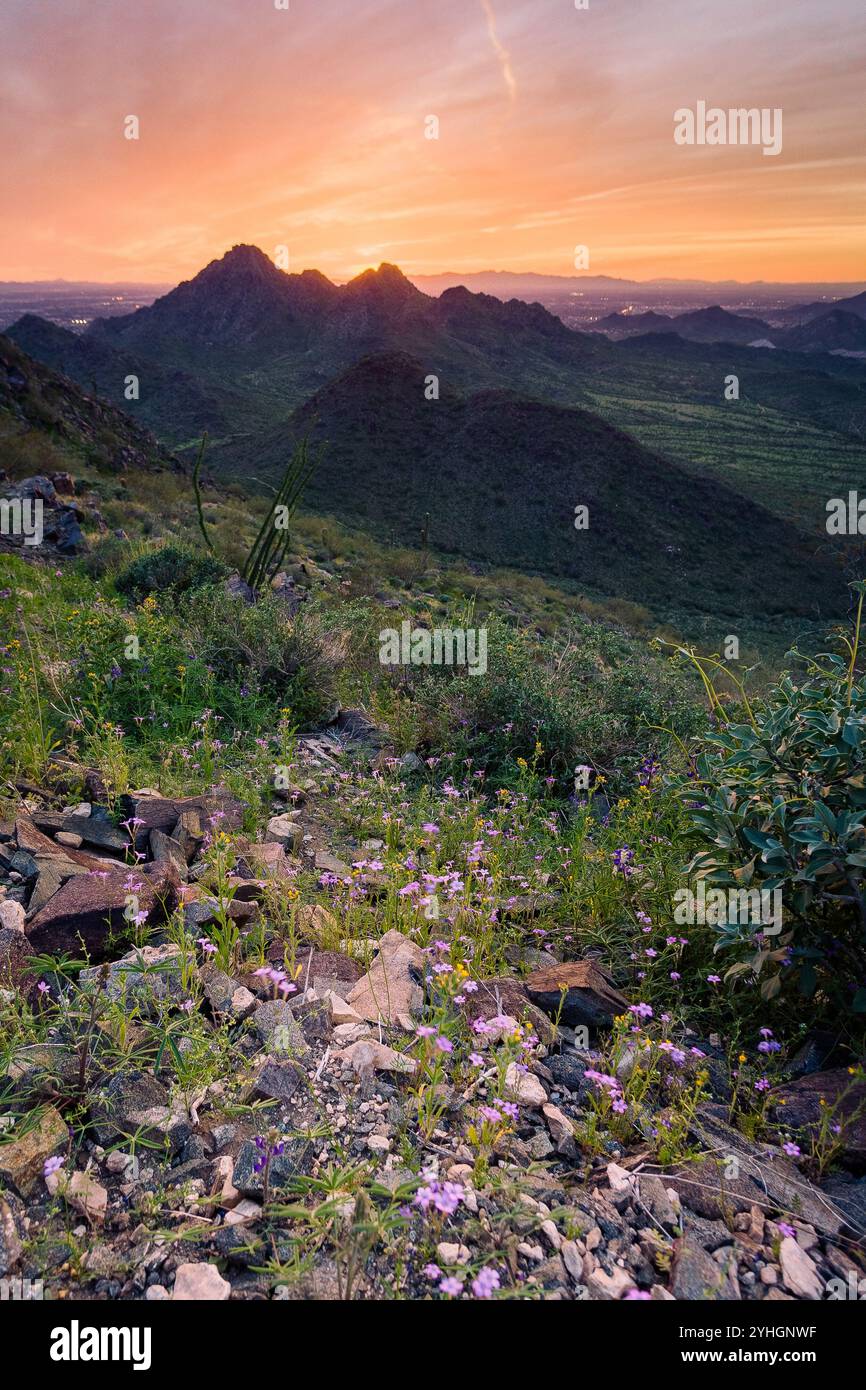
(501, 52)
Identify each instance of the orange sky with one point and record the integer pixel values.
(306, 128)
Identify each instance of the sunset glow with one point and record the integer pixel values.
(306, 128)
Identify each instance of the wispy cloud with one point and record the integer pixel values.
(256, 126)
(500, 50)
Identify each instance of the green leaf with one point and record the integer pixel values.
(761, 839)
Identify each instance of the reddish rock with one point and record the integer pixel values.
(798, 1106)
(43, 849)
(163, 812)
(320, 965)
(52, 877)
(90, 907)
(263, 862)
(577, 992)
(506, 995)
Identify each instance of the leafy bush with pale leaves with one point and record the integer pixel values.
(780, 800)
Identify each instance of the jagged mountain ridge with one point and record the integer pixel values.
(245, 302)
(239, 347)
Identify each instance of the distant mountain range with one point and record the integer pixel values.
(532, 419)
(841, 328)
(523, 284)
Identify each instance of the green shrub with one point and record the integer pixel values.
(594, 696)
(173, 568)
(109, 557)
(591, 695)
(289, 662)
(781, 803)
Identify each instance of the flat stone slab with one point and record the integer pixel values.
(90, 908)
(802, 1104)
(578, 992)
(22, 1161)
(715, 1187)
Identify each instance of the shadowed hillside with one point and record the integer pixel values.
(501, 475)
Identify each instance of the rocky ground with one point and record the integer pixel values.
(377, 1031)
(304, 1119)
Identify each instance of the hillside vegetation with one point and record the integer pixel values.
(326, 974)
